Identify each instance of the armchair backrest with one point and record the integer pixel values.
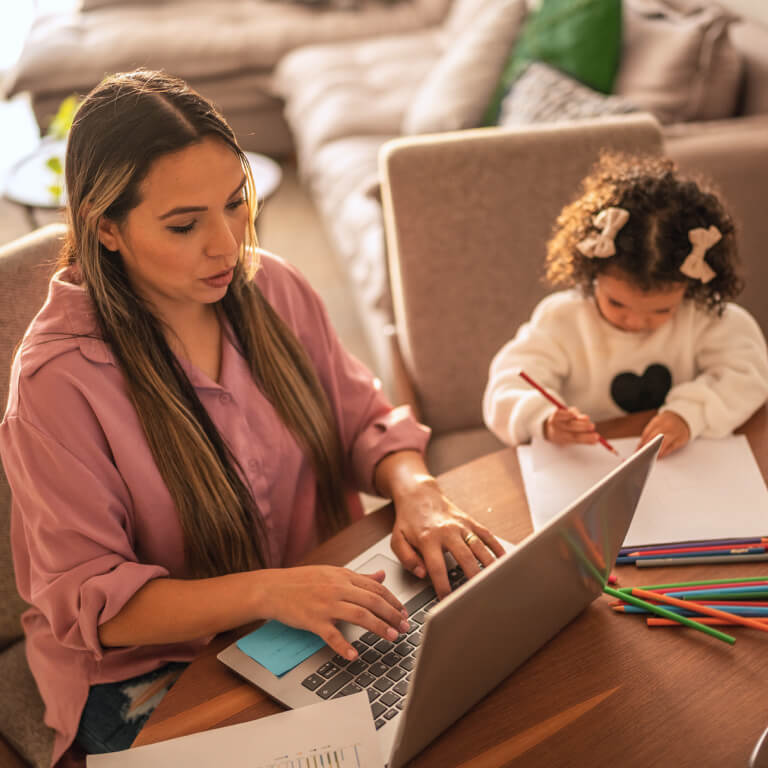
(26, 266)
(467, 216)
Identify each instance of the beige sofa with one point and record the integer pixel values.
(703, 76)
(226, 49)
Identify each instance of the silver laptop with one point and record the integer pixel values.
(460, 648)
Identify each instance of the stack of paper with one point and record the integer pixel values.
(710, 489)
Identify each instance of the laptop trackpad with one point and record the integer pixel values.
(398, 581)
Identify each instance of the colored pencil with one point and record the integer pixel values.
(708, 543)
(655, 621)
(663, 612)
(688, 550)
(759, 591)
(705, 609)
(753, 603)
(655, 562)
(628, 559)
(691, 609)
(732, 582)
(562, 406)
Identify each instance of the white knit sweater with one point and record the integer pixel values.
(712, 371)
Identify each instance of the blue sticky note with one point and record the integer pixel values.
(278, 647)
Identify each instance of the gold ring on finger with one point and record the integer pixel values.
(470, 537)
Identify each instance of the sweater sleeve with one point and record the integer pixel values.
(70, 532)
(732, 380)
(512, 410)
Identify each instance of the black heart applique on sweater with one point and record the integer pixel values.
(642, 393)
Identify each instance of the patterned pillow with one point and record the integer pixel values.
(544, 94)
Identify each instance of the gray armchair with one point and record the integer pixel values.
(25, 269)
(467, 216)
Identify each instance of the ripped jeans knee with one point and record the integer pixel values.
(115, 712)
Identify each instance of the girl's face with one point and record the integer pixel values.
(180, 244)
(628, 308)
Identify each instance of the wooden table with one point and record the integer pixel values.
(606, 691)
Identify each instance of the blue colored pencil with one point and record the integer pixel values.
(701, 553)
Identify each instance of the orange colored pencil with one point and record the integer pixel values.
(698, 608)
(654, 621)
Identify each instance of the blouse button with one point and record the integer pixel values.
(253, 464)
(224, 397)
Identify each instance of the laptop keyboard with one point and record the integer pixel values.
(382, 668)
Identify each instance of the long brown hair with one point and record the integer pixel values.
(120, 129)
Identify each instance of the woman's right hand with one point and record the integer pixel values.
(570, 425)
(315, 597)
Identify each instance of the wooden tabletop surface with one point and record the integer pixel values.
(605, 691)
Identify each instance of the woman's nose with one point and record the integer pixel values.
(222, 241)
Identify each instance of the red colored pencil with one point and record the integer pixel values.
(726, 548)
(523, 375)
(698, 608)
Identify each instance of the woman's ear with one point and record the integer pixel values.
(109, 234)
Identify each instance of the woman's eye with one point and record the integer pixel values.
(615, 303)
(235, 203)
(183, 229)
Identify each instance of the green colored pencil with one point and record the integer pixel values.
(732, 580)
(632, 600)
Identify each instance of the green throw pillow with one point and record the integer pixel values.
(579, 37)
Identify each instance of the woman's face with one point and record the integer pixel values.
(182, 241)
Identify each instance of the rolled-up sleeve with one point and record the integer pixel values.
(70, 533)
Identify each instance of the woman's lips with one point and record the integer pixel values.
(219, 279)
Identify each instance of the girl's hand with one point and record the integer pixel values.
(427, 524)
(570, 425)
(315, 597)
(674, 428)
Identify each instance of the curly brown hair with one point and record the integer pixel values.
(663, 207)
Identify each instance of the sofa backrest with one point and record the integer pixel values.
(26, 266)
(467, 217)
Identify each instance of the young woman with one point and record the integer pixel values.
(183, 426)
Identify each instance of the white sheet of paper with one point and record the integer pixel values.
(341, 731)
(711, 489)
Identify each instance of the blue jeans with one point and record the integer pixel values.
(115, 712)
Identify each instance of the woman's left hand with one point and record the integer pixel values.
(427, 524)
(674, 428)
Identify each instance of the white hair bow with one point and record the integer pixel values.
(694, 265)
(609, 221)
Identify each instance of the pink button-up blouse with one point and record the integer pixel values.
(92, 520)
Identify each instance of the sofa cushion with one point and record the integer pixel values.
(194, 39)
(22, 710)
(750, 39)
(352, 89)
(678, 65)
(580, 37)
(455, 93)
(544, 94)
(341, 176)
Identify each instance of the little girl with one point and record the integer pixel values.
(649, 259)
